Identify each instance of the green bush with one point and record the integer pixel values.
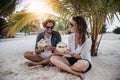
(116, 30)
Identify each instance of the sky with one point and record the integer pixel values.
(39, 6)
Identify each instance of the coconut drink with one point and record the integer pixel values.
(61, 47)
(42, 43)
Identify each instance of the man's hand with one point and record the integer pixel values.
(49, 48)
(37, 51)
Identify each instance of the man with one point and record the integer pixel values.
(42, 56)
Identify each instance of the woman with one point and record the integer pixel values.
(77, 59)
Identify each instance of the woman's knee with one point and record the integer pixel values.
(53, 58)
(80, 65)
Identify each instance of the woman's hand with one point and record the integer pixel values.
(73, 54)
(67, 51)
(58, 52)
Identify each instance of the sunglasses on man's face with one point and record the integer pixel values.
(49, 27)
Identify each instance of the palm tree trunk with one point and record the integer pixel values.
(99, 42)
(94, 38)
(93, 47)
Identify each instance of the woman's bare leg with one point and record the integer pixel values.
(80, 65)
(62, 63)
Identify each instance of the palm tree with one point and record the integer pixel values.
(17, 21)
(7, 7)
(104, 11)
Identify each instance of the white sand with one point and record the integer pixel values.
(106, 66)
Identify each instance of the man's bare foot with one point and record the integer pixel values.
(31, 64)
(61, 70)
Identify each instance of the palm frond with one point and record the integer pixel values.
(17, 22)
(58, 7)
(7, 7)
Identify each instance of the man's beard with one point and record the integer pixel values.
(49, 32)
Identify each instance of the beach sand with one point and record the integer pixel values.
(106, 66)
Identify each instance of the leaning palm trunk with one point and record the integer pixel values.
(99, 42)
(95, 45)
(95, 32)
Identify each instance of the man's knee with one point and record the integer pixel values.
(26, 54)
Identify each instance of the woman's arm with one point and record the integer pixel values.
(86, 48)
(77, 56)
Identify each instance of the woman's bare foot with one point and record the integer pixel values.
(82, 77)
(50, 64)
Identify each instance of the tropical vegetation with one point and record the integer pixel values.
(96, 13)
(116, 30)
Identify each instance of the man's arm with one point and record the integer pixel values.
(38, 38)
(59, 37)
(37, 51)
(51, 48)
